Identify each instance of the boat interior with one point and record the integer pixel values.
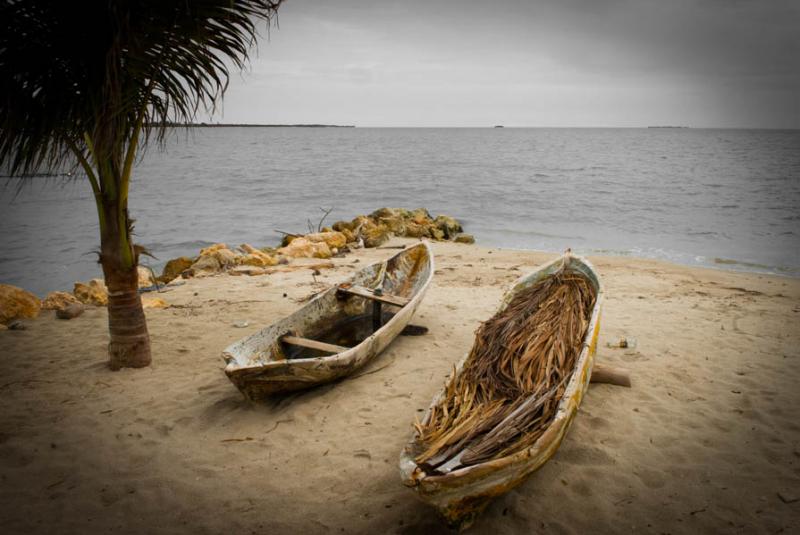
(344, 316)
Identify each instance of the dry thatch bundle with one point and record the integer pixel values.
(508, 390)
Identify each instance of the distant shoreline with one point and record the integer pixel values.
(250, 125)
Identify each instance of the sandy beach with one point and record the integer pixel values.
(707, 439)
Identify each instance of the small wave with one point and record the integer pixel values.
(756, 266)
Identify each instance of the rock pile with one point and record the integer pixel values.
(374, 229)
(362, 231)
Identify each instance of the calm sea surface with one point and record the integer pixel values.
(720, 198)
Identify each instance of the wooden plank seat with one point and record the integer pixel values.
(313, 344)
(361, 291)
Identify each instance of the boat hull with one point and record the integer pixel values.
(462, 494)
(258, 376)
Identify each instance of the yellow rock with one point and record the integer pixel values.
(341, 226)
(397, 225)
(420, 216)
(302, 248)
(145, 277)
(360, 221)
(465, 238)
(256, 257)
(415, 230)
(448, 225)
(58, 300)
(374, 235)
(348, 235)
(93, 293)
(226, 257)
(17, 303)
(258, 260)
(247, 270)
(174, 268)
(154, 302)
(205, 265)
(334, 239)
(212, 249)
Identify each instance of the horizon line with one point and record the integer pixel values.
(498, 126)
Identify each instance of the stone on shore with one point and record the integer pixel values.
(226, 257)
(247, 270)
(211, 249)
(334, 239)
(464, 238)
(204, 266)
(341, 226)
(448, 225)
(256, 257)
(70, 311)
(373, 234)
(58, 300)
(92, 293)
(174, 268)
(415, 230)
(303, 248)
(420, 216)
(145, 277)
(154, 302)
(17, 303)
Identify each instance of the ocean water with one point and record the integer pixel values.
(721, 198)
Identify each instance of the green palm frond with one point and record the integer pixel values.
(96, 72)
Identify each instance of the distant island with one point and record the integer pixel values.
(668, 127)
(498, 126)
(250, 125)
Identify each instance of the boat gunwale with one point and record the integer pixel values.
(417, 479)
(232, 365)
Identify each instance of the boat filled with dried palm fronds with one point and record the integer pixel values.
(509, 402)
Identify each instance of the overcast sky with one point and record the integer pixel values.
(701, 63)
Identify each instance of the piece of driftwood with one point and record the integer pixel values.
(610, 375)
(459, 492)
(313, 344)
(261, 365)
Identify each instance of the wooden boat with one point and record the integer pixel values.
(335, 333)
(462, 493)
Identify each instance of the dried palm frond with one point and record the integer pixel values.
(508, 390)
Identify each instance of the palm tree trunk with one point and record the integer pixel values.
(129, 341)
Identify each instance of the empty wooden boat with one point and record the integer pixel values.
(335, 333)
(459, 487)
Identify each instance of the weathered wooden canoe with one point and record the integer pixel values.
(461, 494)
(335, 333)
